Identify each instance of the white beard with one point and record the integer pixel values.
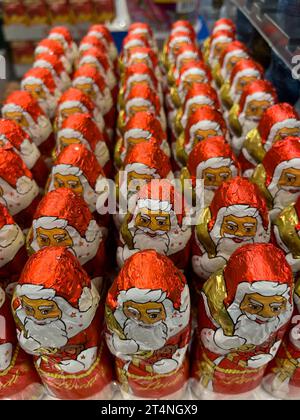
(14, 201)
(208, 196)
(284, 198)
(11, 240)
(159, 242)
(48, 105)
(53, 334)
(227, 246)
(39, 132)
(147, 337)
(247, 124)
(253, 332)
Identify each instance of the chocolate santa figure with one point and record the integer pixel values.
(282, 375)
(13, 253)
(212, 161)
(40, 83)
(18, 190)
(21, 107)
(64, 219)
(148, 326)
(218, 42)
(222, 24)
(278, 176)
(183, 56)
(146, 56)
(77, 168)
(144, 162)
(278, 122)
(64, 37)
(244, 72)
(204, 123)
(55, 309)
(237, 216)
(53, 63)
(286, 229)
(91, 41)
(12, 134)
(130, 42)
(51, 46)
(173, 44)
(141, 127)
(232, 54)
(89, 80)
(80, 128)
(243, 315)
(144, 29)
(18, 377)
(245, 116)
(101, 32)
(157, 221)
(74, 101)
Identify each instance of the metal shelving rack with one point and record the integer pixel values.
(282, 36)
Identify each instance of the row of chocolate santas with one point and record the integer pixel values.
(65, 336)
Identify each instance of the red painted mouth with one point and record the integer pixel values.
(237, 240)
(260, 322)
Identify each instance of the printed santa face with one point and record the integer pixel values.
(141, 28)
(186, 54)
(18, 190)
(218, 42)
(282, 375)
(77, 168)
(237, 216)
(156, 223)
(40, 83)
(130, 42)
(101, 32)
(21, 107)
(243, 315)
(176, 41)
(231, 55)
(278, 176)
(11, 134)
(147, 320)
(213, 161)
(89, 80)
(53, 308)
(64, 219)
(91, 41)
(81, 129)
(50, 46)
(204, 123)
(144, 55)
(14, 363)
(54, 64)
(62, 35)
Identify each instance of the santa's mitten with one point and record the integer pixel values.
(165, 366)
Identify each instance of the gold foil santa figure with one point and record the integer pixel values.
(59, 321)
(148, 326)
(244, 313)
(237, 216)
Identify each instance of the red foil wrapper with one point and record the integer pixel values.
(14, 12)
(19, 191)
(18, 378)
(55, 65)
(233, 53)
(148, 325)
(236, 340)
(138, 73)
(156, 221)
(37, 12)
(130, 42)
(64, 219)
(81, 128)
(64, 37)
(246, 69)
(21, 107)
(237, 216)
(174, 43)
(224, 24)
(101, 32)
(219, 40)
(183, 26)
(13, 135)
(66, 337)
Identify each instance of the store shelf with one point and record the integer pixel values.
(280, 32)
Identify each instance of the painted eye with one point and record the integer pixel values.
(153, 316)
(46, 311)
(254, 307)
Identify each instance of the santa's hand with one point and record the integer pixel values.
(124, 346)
(218, 342)
(28, 344)
(164, 366)
(295, 336)
(71, 366)
(123, 253)
(205, 266)
(259, 360)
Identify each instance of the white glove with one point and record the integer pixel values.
(164, 366)
(204, 266)
(124, 346)
(259, 360)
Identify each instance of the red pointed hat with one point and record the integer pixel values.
(205, 113)
(182, 26)
(64, 32)
(78, 155)
(233, 46)
(146, 121)
(227, 35)
(145, 93)
(13, 133)
(44, 75)
(192, 48)
(148, 270)
(24, 100)
(212, 147)
(275, 116)
(50, 46)
(56, 268)
(194, 66)
(85, 125)
(255, 88)
(98, 55)
(76, 95)
(12, 167)
(149, 154)
(238, 191)
(53, 60)
(63, 203)
(224, 24)
(91, 41)
(282, 151)
(202, 89)
(5, 217)
(245, 65)
(181, 37)
(103, 32)
(140, 27)
(135, 40)
(91, 73)
(257, 262)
